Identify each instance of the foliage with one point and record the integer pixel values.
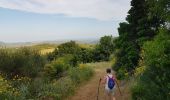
(80, 74)
(64, 49)
(58, 89)
(159, 12)
(42, 88)
(58, 66)
(127, 56)
(22, 61)
(24, 88)
(104, 49)
(7, 92)
(65, 86)
(101, 52)
(153, 84)
(85, 55)
(143, 21)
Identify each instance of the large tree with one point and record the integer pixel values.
(132, 35)
(154, 82)
(104, 49)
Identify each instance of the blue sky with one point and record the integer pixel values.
(40, 20)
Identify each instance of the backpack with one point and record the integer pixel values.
(111, 82)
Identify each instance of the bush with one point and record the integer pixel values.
(41, 88)
(60, 65)
(61, 88)
(154, 84)
(80, 74)
(7, 92)
(55, 90)
(64, 87)
(85, 55)
(64, 49)
(22, 61)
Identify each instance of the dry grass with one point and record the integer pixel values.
(45, 51)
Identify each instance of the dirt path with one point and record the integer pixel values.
(88, 91)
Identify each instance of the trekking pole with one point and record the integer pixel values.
(119, 88)
(98, 89)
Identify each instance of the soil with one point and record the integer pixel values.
(89, 90)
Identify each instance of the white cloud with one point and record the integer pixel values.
(98, 9)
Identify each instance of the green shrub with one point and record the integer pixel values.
(55, 90)
(7, 92)
(42, 88)
(85, 55)
(22, 61)
(80, 74)
(65, 86)
(58, 66)
(154, 83)
(64, 49)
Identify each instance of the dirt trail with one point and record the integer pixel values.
(88, 91)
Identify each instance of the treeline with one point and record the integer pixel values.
(101, 52)
(143, 49)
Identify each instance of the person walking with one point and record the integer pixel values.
(109, 81)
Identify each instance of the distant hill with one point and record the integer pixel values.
(84, 41)
(2, 43)
(88, 41)
(20, 44)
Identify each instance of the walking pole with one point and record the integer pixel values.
(98, 89)
(119, 88)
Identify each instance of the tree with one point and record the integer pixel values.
(85, 55)
(132, 34)
(64, 49)
(153, 84)
(104, 49)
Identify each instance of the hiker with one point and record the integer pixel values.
(109, 82)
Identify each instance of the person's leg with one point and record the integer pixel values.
(106, 94)
(110, 96)
(114, 98)
(113, 94)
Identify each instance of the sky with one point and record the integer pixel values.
(45, 20)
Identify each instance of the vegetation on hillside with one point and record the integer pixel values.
(143, 49)
(101, 52)
(153, 83)
(22, 61)
(26, 73)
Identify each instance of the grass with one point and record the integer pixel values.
(100, 65)
(46, 51)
